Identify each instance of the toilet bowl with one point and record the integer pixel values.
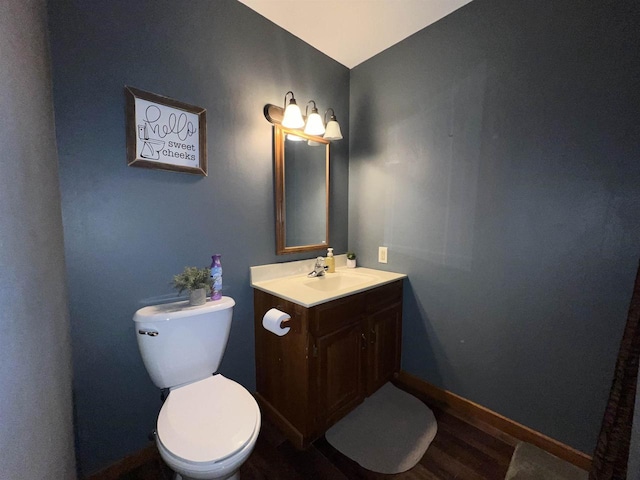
(207, 429)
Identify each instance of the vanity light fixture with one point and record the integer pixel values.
(291, 117)
(332, 131)
(314, 124)
(292, 114)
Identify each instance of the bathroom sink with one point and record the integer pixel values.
(289, 281)
(332, 282)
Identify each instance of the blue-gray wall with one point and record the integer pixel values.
(496, 153)
(36, 433)
(128, 230)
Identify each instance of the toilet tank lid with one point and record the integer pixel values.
(171, 311)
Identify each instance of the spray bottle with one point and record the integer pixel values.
(216, 277)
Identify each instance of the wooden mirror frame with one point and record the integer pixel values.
(279, 137)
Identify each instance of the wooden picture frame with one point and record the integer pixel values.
(165, 134)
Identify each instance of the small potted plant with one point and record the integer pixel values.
(351, 260)
(197, 281)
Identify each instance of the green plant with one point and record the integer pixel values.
(351, 256)
(192, 278)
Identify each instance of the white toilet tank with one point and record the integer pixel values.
(181, 344)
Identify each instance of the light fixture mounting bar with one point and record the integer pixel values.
(273, 113)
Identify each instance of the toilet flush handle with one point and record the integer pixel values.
(151, 333)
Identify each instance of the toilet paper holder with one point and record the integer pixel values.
(286, 322)
(289, 321)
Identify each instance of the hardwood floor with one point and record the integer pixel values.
(460, 451)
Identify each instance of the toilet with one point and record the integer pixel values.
(208, 424)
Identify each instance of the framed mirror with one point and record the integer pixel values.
(302, 191)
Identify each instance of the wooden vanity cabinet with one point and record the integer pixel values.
(338, 343)
(335, 355)
(384, 333)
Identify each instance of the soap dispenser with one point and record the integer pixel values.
(330, 261)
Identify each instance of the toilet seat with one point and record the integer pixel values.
(208, 421)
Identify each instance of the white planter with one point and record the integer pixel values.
(351, 263)
(198, 297)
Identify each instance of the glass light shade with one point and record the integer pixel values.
(293, 116)
(313, 143)
(333, 131)
(314, 124)
(294, 138)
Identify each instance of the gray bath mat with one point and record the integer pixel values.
(388, 433)
(531, 463)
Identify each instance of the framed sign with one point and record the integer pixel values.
(164, 133)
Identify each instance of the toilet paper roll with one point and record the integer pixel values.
(272, 319)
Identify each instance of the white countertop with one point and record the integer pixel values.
(285, 281)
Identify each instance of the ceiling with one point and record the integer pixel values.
(352, 31)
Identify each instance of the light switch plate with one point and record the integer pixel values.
(382, 254)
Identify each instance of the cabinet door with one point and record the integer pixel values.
(339, 369)
(384, 337)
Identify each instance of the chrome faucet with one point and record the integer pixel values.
(319, 268)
